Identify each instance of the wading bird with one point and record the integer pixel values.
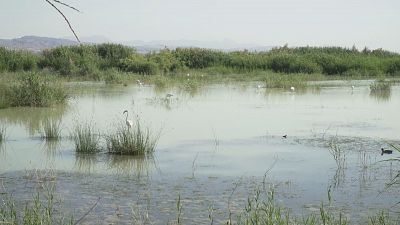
(169, 95)
(292, 88)
(385, 151)
(139, 83)
(129, 123)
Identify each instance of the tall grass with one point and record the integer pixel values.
(88, 60)
(33, 90)
(51, 129)
(86, 139)
(380, 86)
(136, 140)
(39, 210)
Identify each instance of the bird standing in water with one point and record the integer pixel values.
(129, 123)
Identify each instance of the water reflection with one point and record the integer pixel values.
(131, 165)
(85, 163)
(32, 118)
(381, 95)
(51, 147)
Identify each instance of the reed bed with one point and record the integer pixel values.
(51, 129)
(135, 140)
(86, 139)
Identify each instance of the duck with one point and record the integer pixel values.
(284, 136)
(386, 151)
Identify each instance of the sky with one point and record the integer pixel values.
(371, 23)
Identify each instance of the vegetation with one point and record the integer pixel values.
(51, 129)
(86, 139)
(380, 85)
(89, 60)
(31, 90)
(134, 140)
(39, 210)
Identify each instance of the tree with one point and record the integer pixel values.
(53, 4)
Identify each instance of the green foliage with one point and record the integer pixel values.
(90, 60)
(51, 129)
(138, 64)
(86, 139)
(33, 90)
(134, 140)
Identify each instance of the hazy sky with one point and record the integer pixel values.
(372, 23)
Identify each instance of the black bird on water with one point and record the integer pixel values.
(385, 151)
(284, 136)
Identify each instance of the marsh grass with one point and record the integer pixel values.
(51, 129)
(41, 209)
(137, 140)
(35, 91)
(86, 139)
(299, 81)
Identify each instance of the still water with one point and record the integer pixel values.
(211, 140)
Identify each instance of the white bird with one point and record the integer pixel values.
(129, 123)
(258, 86)
(169, 95)
(292, 88)
(352, 87)
(188, 75)
(139, 83)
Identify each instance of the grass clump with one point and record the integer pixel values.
(33, 90)
(51, 129)
(380, 86)
(134, 140)
(86, 139)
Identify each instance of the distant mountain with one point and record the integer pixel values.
(37, 44)
(34, 43)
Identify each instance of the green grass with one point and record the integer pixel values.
(40, 210)
(32, 90)
(136, 140)
(51, 129)
(380, 85)
(86, 139)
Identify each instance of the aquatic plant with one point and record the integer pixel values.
(86, 139)
(136, 140)
(51, 129)
(38, 210)
(33, 90)
(380, 86)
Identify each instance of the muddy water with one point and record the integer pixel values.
(210, 140)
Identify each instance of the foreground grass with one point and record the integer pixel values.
(86, 139)
(51, 129)
(135, 140)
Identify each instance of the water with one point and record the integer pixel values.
(210, 140)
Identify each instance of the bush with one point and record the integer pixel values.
(138, 64)
(32, 90)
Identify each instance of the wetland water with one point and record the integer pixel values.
(212, 140)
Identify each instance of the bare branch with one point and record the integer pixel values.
(65, 4)
(65, 18)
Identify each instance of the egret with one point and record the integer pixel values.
(188, 75)
(385, 151)
(258, 86)
(292, 88)
(129, 123)
(139, 83)
(352, 87)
